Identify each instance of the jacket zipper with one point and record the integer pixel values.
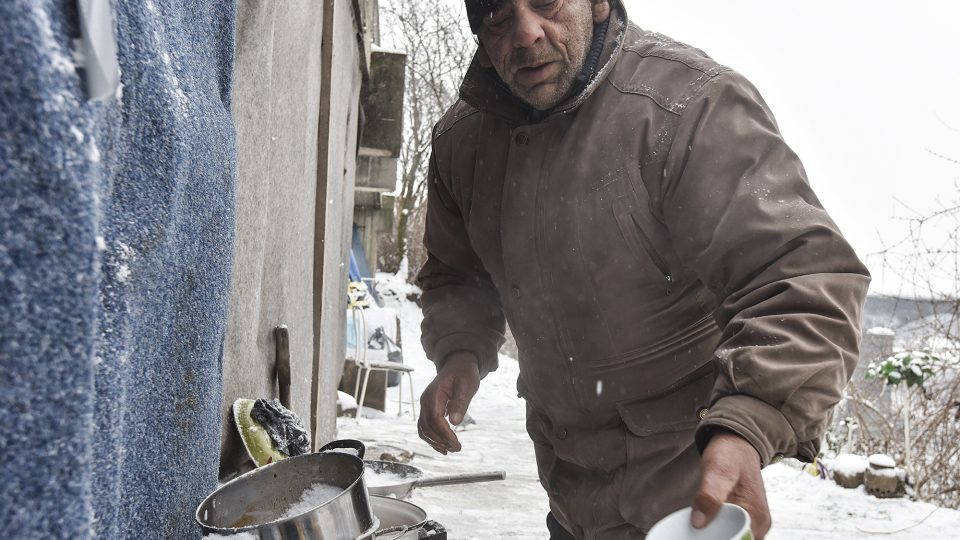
(654, 256)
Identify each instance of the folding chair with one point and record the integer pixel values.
(366, 366)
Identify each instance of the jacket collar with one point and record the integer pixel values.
(482, 87)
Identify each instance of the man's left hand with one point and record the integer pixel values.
(731, 473)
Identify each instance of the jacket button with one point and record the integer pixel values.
(522, 139)
(516, 292)
(562, 433)
(702, 413)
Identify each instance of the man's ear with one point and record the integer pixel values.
(601, 10)
(483, 58)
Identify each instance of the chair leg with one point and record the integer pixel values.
(363, 391)
(413, 395)
(356, 385)
(399, 396)
(359, 330)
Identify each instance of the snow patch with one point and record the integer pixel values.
(60, 61)
(882, 461)
(123, 273)
(93, 151)
(375, 478)
(348, 451)
(126, 252)
(77, 134)
(850, 464)
(881, 331)
(886, 473)
(234, 536)
(313, 497)
(346, 401)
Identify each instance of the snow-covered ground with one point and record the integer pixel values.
(803, 506)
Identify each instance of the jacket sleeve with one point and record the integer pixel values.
(788, 289)
(461, 306)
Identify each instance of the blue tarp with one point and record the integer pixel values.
(359, 269)
(116, 234)
(358, 257)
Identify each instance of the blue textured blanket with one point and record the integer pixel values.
(116, 235)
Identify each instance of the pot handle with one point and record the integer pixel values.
(345, 444)
(465, 478)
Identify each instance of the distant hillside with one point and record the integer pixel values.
(908, 317)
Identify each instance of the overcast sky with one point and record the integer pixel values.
(863, 91)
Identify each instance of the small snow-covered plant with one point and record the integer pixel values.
(905, 367)
(909, 368)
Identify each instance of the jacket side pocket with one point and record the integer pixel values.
(638, 242)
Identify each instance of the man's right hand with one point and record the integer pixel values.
(448, 396)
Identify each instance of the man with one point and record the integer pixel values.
(686, 312)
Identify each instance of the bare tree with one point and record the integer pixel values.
(927, 262)
(436, 38)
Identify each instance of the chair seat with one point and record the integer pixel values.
(392, 366)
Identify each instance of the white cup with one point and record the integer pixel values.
(731, 523)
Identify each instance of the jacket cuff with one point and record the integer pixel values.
(486, 353)
(759, 423)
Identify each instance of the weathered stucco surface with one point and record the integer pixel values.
(337, 181)
(296, 170)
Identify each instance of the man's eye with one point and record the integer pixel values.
(497, 19)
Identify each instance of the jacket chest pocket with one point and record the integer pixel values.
(637, 229)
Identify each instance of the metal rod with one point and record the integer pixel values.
(465, 478)
(282, 337)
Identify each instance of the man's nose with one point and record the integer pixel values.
(528, 28)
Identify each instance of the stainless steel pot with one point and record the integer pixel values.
(255, 501)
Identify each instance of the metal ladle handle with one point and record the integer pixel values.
(465, 478)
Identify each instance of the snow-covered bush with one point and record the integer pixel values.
(910, 367)
(919, 387)
(920, 391)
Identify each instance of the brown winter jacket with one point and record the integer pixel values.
(663, 264)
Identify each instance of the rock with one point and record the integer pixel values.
(883, 479)
(847, 480)
(386, 452)
(402, 457)
(848, 470)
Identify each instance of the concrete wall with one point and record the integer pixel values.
(276, 111)
(299, 68)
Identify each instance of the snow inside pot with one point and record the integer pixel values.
(319, 496)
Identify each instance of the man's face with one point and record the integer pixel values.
(538, 46)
